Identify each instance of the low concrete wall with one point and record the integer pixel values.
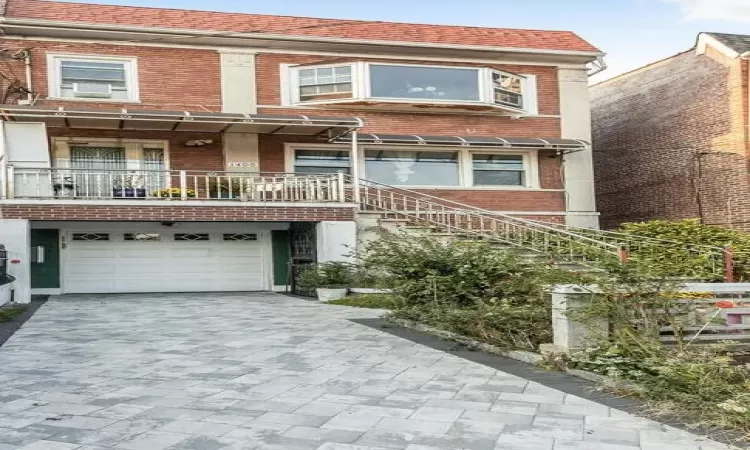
(15, 234)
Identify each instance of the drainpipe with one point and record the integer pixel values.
(3, 163)
(602, 66)
(355, 166)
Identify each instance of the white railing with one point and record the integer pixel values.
(456, 218)
(96, 184)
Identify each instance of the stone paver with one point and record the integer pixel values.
(265, 371)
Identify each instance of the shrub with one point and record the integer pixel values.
(472, 288)
(325, 275)
(374, 301)
(678, 259)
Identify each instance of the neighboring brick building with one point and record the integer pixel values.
(671, 138)
(137, 137)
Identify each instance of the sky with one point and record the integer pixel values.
(633, 33)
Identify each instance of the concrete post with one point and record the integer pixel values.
(15, 234)
(570, 335)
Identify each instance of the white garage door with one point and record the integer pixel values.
(99, 262)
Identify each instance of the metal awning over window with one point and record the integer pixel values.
(562, 145)
(124, 119)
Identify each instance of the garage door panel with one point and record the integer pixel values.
(163, 266)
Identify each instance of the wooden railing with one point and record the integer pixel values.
(58, 183)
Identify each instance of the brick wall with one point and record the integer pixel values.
(174, 213)
(670, 142)
(169, 78)
(163, 88)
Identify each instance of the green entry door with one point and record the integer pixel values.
(45, 259)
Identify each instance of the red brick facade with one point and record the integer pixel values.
(175, 213)
(671, 142)
(198, 88)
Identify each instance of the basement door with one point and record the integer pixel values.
(164, 261)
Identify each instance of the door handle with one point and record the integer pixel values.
(37, 255)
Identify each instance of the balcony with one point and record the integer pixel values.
(172, 185)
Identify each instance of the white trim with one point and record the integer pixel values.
(61, 148)
(465, 168)
(254, 50)
(54, 73)
(705, 40)
(178, 203)
(491, 112)
(166, 32)
(47, 291)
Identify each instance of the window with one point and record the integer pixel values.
(507, 89)
(100, 78)
(424, 83)
(239, 237)
(411, 83)
(191, 237)
(324, 83)
(321, 161)
(90, 236)
(498, 170)
(410, 168)
(142, 237)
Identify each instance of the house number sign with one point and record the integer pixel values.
(242, 164)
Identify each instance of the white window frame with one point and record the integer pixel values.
(530, 159)
(362, 88)
(465, 163)
(54, 76)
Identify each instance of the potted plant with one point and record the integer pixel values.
(172, 193)
(129, 186)
(329, 280)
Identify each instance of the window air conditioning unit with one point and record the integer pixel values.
(89, 90)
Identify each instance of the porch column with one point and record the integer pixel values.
(335, 241)
(355, 165)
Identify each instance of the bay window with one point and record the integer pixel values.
(323, 83)
(425, 83)
(409, 83)
(412, 168)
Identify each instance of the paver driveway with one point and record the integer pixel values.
(265, 371)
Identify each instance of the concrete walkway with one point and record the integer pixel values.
(264, 371)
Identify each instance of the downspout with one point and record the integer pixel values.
(602, 66)
(27, 62)
(3, 163)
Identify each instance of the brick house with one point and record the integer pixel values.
(670, 140)
(168, 150)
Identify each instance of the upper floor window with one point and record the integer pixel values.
(92, 78)
(324, 83)
(424, 83)
(416, 84)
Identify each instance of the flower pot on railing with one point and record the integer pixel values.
(128, 193)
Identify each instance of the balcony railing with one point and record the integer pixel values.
(94, 184)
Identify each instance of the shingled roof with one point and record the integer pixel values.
(297, 26)
(740, 43)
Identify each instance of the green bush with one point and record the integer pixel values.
(471, 288)
(679, 259)
(326, 275)
(373, 301)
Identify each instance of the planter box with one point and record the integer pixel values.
(128, 193)
(328, 294)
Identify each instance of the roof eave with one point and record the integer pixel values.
(53, 28)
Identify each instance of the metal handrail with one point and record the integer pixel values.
(454, 217)
(583, 245)
(464, 209)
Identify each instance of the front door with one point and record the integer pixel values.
(45, 259)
